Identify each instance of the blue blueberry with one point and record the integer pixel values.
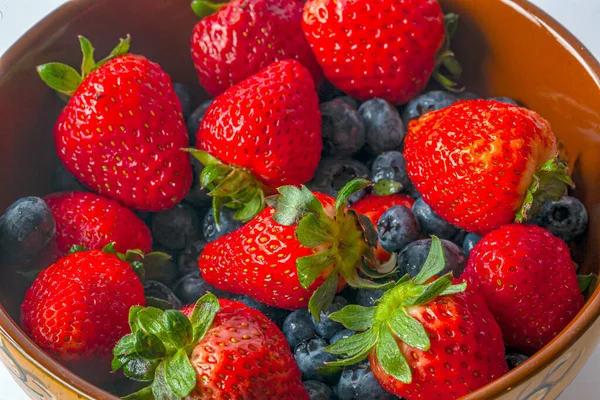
(177, 227)
(471, 239)
(343, 334)
(396, 228)
(367, 298)
(277, 315)
(27, 227)
(343, 129)
(298, 327)
(228, 224)
(412, 258)
(391, 166)
(358, 383)
(187, 261)
(192, 286)
(566, 218)
(186, 98)
(160, 291)
(427, 102)
(194, 120)
(384, 127)
(468, 96)
(333, 173)
(432, 224)
(64, 181)
(326, 328)
(311, 356)
(198, 196)
(318, 390)
(506, 100)
(514, 360)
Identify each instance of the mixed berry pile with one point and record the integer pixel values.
(341, 221)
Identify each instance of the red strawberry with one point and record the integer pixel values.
(210, 351)
(122, 130)
(425, 339)
(529, 283)
(384, 48)
(77, 309)
(259, 135)
(282, 262)
(482, 164)
(246, 36)
(92, 221)
(374, 206)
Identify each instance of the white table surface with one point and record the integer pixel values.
(580, 16)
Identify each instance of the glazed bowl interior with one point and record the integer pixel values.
(507, 47)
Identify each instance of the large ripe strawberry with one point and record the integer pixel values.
(529, 283)
(482, 164)
(384, 48)
(93, 221)
(259, 135)
(425, 338)
(294, 255)
(246, 36)
(374, 206)
(122, 131)
(217, 349)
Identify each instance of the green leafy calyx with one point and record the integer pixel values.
(204, 8)
(390, 320)
(65, 79)
(158, 348)
(448, 70)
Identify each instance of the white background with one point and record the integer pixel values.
(580, 16)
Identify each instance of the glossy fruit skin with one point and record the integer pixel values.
(412, 257)
(122, 132)
(318, 391)
(259, 260)
(276, 135)
(384, 128)
(327, 327)
(396, 228)
(311, 356)
(474, 161)
(529, 282)
(466, 351)
(241, 336)
(246, 36)
(228, 224)
(357, 382)
(177, 227)
(93, 221)
(343, 128)
(566, 218)
(367, 50)
(427, 102)
(77, 309)
(298, 327)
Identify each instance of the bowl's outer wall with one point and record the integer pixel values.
(505, 50)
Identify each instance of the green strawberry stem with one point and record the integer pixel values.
(585, 281)
(65, 79)
(549, 183)
(204, 8)
(446, 60)
(386, 323)
(231, 186)
(342, 241)
(387, 187)
(158, 348)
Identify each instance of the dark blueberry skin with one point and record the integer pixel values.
(343, 334)
(396, 228)
(514, 360)
(193, 122)
(412, 258)
(298, 327)
(318, 391)
(187, 261)
(277, 315)
(432, 224)
(186, 98)
(391, 166)
(198, 196)
(328, 92)
(192, 286)
(467, 96)
(333, 173)
(228, 224)
(367, 298)
(64, 181)
(27, 227)
(310, 356)
(343, 129)
(384, 127)
(326, 328)
(471, 239)
(566, 218)
(161, 291)
(427, 102)
(350, 101)
(506, 100)
(358, 383)
(177, 228)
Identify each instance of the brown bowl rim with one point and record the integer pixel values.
(578, 326)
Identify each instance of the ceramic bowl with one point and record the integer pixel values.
(508, 47)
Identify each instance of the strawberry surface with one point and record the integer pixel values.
(382, 48)
(529, 283)
(474, 162)
(245, 37)
(93, 221)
